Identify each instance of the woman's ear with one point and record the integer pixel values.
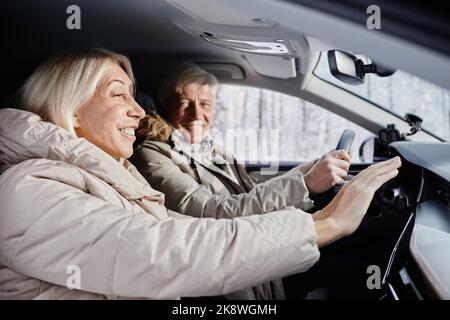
(76, 121)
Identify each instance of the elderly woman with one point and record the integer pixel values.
(78, 221)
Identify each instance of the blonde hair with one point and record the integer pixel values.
(66, 81)
(187, 74)
(153, 127)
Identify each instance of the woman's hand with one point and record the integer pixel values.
(342, 216)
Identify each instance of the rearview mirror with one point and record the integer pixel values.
(351, 70)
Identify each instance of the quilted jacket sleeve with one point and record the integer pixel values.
(185, 195)
(47, 225)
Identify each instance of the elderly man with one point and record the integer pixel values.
(181, 159)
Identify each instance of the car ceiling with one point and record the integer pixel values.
(157, 35)
(143, 30)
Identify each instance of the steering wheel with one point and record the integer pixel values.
(322, 199)
(345, 143)
(346, 140)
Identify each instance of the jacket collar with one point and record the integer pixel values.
(24, 135)
(180, 146)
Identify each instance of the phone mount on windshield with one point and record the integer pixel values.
(391, 134)
(414, 122)
(385, 138)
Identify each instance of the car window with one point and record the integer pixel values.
(400, 94)
(277, 126)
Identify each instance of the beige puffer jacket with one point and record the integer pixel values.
(64, 202)
(196, 187)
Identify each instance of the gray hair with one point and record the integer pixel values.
(174, 84)
(66, 81)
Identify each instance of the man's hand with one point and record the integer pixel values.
(328, 171)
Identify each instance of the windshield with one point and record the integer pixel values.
(399, 94)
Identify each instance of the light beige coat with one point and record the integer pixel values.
(64, 202)
(195, 186)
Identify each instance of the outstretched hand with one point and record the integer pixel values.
(346, 211)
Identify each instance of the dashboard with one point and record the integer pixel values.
(419, 263)
(409, 220)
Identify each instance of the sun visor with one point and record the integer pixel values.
(272, 66)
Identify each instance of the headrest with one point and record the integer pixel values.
(146, 102)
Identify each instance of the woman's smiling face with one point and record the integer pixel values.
(110, 118)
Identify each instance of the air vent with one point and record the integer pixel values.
(443, 191)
